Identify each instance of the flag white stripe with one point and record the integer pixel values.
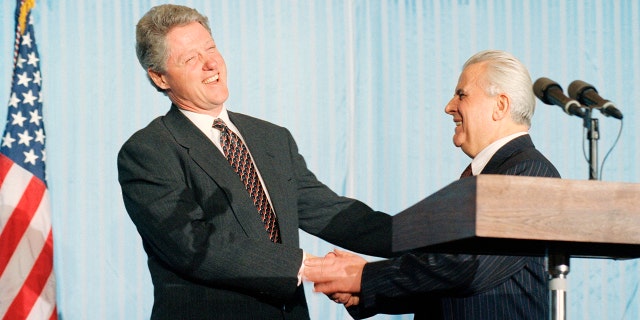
(11, 191)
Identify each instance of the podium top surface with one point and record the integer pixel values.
(498, 214)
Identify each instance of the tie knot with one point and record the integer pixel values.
(467, 172)
(219, 124)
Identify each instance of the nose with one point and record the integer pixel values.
(209, 62)
(450, 108)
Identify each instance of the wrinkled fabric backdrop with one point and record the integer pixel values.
(362, 85)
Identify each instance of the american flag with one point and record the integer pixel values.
(27, 282)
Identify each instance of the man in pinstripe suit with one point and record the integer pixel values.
(492, 109)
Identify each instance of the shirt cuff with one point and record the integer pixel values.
(300, 272)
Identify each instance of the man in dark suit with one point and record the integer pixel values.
(491, 108)
(221, 236)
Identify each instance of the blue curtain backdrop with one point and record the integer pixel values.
(361, 84)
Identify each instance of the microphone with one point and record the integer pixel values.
(587, 95)
(550, 92)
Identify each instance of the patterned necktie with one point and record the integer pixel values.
(467, 172)
(239, 158)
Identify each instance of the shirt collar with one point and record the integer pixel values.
(204, 122)
(480, 161)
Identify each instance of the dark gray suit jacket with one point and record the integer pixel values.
(208, 252)
(457, 286)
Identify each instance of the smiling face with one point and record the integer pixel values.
(474, 111)
(196, 76)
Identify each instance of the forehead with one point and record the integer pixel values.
(187, 36)
(470, 76)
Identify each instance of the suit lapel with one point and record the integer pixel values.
(212, 161)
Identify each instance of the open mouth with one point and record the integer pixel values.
(212, 79)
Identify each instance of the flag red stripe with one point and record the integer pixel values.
(5, 166)
(54, 313)
(33, 285)
(20, 219)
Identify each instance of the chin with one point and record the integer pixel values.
(219, 99)
(456, 142)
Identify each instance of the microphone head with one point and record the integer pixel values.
(588, 95)
(577, 87)
(541, 86)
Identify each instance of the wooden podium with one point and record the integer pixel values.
(513, 215)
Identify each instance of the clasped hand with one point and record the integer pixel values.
(337, 274)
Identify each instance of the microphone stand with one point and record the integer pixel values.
(593, 135)
(558, 261)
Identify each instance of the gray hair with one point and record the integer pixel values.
(506, 74)
(151, 32)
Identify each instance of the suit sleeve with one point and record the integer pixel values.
(340, 220)
(197, 244)
(394, 286)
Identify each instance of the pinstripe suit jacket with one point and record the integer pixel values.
(449, 286)
(208, 253)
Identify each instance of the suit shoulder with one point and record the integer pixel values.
(242, 119)
(151, 133)
(530, 162)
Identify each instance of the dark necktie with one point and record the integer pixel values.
(467, 172)
(239, 158)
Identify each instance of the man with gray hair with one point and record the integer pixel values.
(218, 197)
(492, 108)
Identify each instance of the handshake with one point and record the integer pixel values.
(338, 275)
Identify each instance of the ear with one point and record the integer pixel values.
(158, 79)
(502, 108)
